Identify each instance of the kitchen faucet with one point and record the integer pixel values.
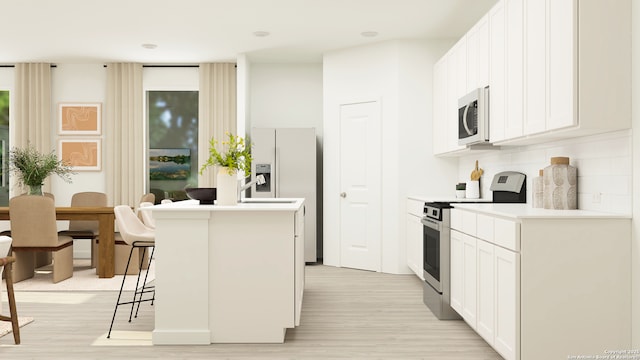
(258, 181)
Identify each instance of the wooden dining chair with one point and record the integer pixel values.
(86, 229)
(6, 263)
(33, 230)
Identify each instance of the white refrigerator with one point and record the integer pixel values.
(287, 159)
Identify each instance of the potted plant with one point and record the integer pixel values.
(33, 167)
(461, 190)
(231, 156)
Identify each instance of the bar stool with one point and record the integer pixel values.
(138, 236)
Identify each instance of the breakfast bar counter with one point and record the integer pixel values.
(228, 274)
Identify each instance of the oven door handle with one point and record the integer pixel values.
(435, 225)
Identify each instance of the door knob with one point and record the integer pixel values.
(343, 194)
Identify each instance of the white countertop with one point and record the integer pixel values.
(525, 211)
(252, 204)
(440, 198)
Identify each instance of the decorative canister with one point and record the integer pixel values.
(560, 185)
(538, 190)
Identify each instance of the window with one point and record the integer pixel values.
(173, 142)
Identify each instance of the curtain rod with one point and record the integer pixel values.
(10, 66)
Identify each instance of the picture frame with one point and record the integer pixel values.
(79, 118)
(169, 164)
(81, 154)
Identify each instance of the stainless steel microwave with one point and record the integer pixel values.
(473, 117)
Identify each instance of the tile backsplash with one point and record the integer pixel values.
(604, 164)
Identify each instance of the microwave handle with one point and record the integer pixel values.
(464, 119)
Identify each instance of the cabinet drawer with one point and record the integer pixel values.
(456, 219)
(469, 223)
(506, 234)
(415, 207)
(485, 227)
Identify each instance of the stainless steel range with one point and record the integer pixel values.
(436, 255)
(506, 187)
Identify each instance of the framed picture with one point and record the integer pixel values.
(79, 118)
(81, 154)
(169, 164)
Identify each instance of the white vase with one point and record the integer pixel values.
(227, 187)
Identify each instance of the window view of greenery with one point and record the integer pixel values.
(4, 135)
(173, 142)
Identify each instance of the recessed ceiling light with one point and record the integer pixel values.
(149, 46)
(369, 33)
(261, 33)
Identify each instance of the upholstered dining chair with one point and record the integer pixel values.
(138, 236)
(33, 230)
(86, 229)
(146, 216)
(6, 263)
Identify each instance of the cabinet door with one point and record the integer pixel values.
(473, 46)
(414, 245)
(452, 98)
(483, 52)
(440, 114)
(535, 66)
(562, 69)
(469, 280)
(456, 265)
(497, 66)
(486, 300)
(507, 303)
(299, 263)
(514, 65)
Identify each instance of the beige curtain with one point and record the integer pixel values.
(124, 146)
(32, 123)
(217, 111)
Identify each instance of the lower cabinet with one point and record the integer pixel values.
(484, 290)
(541, 287)
(414, 236)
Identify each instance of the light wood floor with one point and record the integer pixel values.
(346, 314)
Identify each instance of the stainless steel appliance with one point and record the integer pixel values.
(473, 117)
(286, 157)
(436, 256)
(507, 187)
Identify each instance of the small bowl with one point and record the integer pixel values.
(206, 196)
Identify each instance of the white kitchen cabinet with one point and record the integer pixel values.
(469, 280)
(535, 60)
(485, 289)
(514, 65)
(477, 40)
(497, 65)
(543, 276)
(506, 285)
(414, 234)
(576, 65)
(456, 265)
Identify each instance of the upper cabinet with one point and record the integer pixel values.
(555, 69)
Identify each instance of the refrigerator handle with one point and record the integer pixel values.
(277, 173)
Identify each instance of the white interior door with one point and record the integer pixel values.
(360, 186)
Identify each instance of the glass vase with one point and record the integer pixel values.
(35, 189)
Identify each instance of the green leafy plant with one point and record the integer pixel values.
(233, 154)
(461, 186)
(33, 167)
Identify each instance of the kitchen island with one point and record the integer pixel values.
(228, 274)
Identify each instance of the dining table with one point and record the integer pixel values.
(106, 231)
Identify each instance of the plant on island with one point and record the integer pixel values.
(234, 154)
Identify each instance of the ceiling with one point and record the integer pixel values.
(192, 31)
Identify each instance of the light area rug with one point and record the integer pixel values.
(125, 338)
(5, 326)
(84, 279)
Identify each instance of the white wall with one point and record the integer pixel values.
(286, 95)
(398, 74)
